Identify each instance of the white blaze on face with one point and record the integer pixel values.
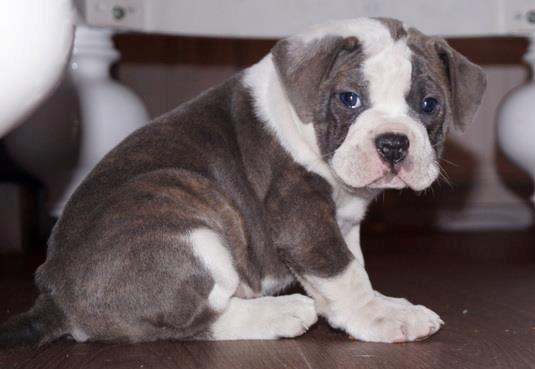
(387, 68)
(389, 77)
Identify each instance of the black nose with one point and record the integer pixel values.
(392, 147)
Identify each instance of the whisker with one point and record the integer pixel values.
(444, 176)
(450, 162)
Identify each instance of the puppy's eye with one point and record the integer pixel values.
(429, 105)
(350, 99)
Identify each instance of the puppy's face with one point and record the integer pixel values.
(380, 98)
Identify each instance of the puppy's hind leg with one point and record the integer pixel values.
(264, 318)
(239, 319)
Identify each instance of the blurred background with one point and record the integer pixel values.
(154, 61)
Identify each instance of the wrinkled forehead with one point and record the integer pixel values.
(386, 63)
(425, 58)
(374, 34)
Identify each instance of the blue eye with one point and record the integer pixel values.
(429, 105)
(350, 99)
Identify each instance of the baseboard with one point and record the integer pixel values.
(479, 217)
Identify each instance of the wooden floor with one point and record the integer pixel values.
(482, 285)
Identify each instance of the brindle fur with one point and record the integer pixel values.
(117, 266)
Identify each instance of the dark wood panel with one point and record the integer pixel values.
(148, 48)
(492, 50)
(145, 48)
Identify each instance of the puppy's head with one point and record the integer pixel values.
(380, 97)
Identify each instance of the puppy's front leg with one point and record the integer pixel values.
(329, 265)
(348, 302)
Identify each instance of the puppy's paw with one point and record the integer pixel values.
(292, 315)
(387, 319)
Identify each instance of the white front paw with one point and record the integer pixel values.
(387, 319)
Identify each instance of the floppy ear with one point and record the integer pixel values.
(467, 83)
(303, 66)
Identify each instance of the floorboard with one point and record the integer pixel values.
(482, 285)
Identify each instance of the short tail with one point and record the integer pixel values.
(43, 323)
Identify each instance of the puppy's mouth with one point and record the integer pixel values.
(401, 177)
(373, 175)
(391, 179)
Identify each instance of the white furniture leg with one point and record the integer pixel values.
(516, 121)
(107, 112)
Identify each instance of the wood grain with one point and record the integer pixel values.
(488, 304)
(149, 48)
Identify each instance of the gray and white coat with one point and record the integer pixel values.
(191, 225)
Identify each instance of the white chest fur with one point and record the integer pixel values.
(350, 209)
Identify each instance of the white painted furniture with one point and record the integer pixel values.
(86, 117)
(516, 121)
(35, 42)
(279, 18)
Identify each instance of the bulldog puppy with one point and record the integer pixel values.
(192, 225)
